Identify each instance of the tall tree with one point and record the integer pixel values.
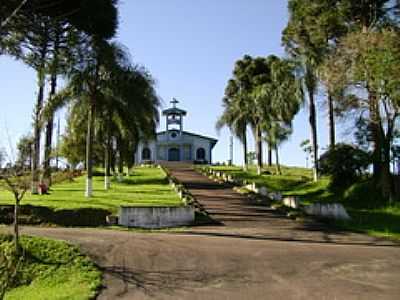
(235, 115)
(282, 96)
(35, 44)
(366, 65)
(131, 111)
(250, 74)
(308, 49)
(31, 27)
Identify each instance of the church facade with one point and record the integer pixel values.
(175, 144)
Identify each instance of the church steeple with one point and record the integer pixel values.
(174, 102)
(174, 117)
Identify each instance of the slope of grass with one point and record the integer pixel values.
(145, 187)
(53, 270)
(379, 222)
(369, 213)
(293, 181)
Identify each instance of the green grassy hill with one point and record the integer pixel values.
(145, 187)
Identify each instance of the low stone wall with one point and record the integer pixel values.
(327, 210)
(292, 202)
(156, 217)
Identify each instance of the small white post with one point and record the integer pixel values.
(89, 188)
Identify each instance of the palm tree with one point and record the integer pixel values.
(278, 133)
(89, 81)
(108, 85)
(131, 112)
(235, 115)
(235, 119)
(279, 99)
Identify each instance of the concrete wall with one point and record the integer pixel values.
(156, 217)
(329, 210)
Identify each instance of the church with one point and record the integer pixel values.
(175, 144)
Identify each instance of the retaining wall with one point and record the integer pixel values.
(156, 217)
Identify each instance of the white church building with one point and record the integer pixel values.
(175, 144)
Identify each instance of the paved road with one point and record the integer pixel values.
(255, 254)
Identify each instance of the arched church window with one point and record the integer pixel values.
(146, 154)
(201, 154)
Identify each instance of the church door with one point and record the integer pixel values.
(173, 154)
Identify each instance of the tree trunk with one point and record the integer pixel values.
(107, 182)
(332, 138)
(89, 149)
(49, 125)
(36, 142)
(16, 226)
(107, 176)
(49, 137)
(259, 149)
(278, 166)
(386, 181)
(113, 161)
(269, 154)
(38, 110)
(314, 139)
(120, 159)
(245, 158)
(376, 136)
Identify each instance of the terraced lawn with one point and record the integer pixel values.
(145, 187)
(294, 181)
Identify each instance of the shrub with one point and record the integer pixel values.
(345, 164)
(35, 215)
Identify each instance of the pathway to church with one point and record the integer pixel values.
(254, 253)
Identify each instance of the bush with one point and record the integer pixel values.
(35, 215)
(345, 164)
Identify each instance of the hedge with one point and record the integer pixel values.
(36, 215)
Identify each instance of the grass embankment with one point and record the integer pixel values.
(369, 213)
(294, 181)
(52, 270)
(145, 187)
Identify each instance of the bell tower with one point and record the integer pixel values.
(174, 118)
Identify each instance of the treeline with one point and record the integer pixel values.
(350, 50)
(111, 101)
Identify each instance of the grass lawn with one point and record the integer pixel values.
(294, 181)
(145, 187)
(53, 270)
(382, 222)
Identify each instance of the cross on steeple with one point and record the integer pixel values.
(174, 102)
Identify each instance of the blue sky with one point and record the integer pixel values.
(190, 48)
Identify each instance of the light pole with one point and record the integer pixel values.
(230, 162)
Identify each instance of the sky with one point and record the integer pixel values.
(190, 48)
